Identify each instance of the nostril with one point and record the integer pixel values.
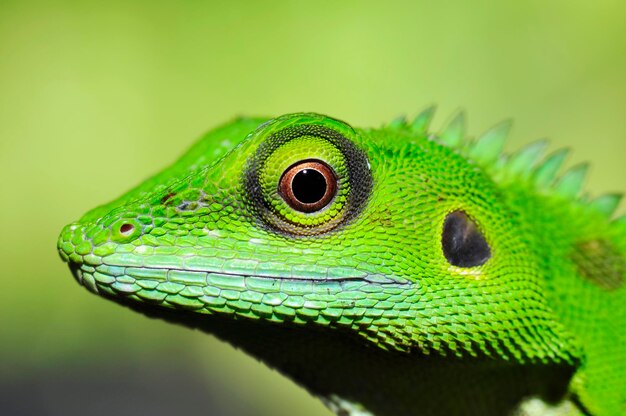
(126, 228)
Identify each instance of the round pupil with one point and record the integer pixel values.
(308, 186)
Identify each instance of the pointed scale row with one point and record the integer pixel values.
(529, 162)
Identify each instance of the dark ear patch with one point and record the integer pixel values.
(600, 263)
(462, 243)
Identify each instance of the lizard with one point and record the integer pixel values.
(389, 271)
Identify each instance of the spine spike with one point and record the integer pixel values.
(585, 197)
(501, 162)
(524, 160)
(607, 204)
(489, 146)
(422, 121)
(454, 132)
(546, 173)
(621, 221)
(571, 183)
(398, 122)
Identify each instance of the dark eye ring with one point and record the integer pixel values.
(308, 185)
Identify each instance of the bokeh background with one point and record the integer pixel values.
(97, 95)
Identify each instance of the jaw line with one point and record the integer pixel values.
(136, 273)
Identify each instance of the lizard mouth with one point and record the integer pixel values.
(197, 283)
(76, 272)
(250, 296)
(130, 280)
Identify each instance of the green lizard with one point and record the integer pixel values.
(389, 271)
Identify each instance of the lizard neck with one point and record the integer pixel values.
(583, 256)
(354, 378)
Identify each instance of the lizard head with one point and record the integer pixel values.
(383, 234)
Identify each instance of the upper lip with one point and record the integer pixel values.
(80, 264)
(378, 279)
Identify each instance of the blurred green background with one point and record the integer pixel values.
(95, 96)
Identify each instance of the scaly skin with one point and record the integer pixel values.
(442, 278)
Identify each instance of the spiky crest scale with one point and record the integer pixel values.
(398, 122)
(488, 147)
(422, 122)
(453, 134)
(571, 182)
(545, 174)
(524, 160)
(606, 204)
(526, 163)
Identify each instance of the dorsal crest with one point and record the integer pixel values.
(532, 164)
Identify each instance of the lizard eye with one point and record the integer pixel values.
(307, 175)
(308, 186)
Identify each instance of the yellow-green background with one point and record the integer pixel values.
(95, 96)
